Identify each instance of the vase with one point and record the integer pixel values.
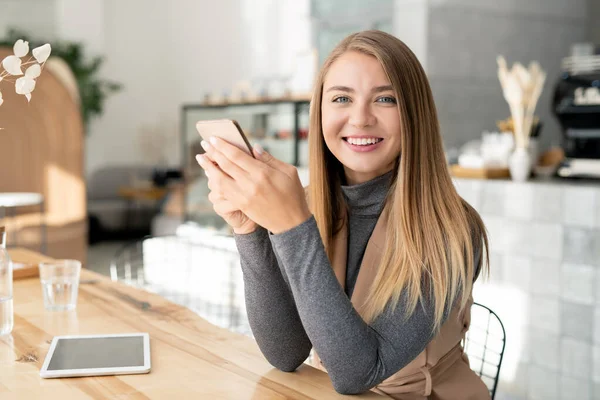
(534, 153)
(519, 164)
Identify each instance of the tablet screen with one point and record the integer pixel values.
(98, 352)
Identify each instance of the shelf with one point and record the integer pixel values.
(254, 101)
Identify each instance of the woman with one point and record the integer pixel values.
(375, 270)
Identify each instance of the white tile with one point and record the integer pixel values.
(517, 272)
(547, 274)
(545, 349)
(547, 200)
(596, 247)
(520, 237)
(576, 358)
(493, 198)
(578, 245)
(496, 268)
(547, 313)
(470, 190)
(518, 201)
(597, 325)
(495, 229)
(574, 389)
(577, 321)
(501, 394)
(514, 381)
(579, 205)
(547, 240)
(543, 384)
(577, 283)
(596, 374)
(597, 207)
(597, 288)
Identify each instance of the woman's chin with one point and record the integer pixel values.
(363, 172)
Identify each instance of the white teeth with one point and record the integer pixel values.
(363, 141)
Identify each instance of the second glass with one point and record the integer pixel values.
(60, 284)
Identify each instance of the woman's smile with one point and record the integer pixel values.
(360, 117)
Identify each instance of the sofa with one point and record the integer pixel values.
(107, 210)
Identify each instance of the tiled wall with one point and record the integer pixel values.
(544, 284)
(594, 26)
(464, 38)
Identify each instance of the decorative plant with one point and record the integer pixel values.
(13, 67)
(92, 89)
(522, 88)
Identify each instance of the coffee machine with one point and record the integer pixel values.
(576, 105)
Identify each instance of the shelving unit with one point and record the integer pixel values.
(280, 125)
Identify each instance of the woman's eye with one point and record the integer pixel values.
(341, 99)
(387, 99)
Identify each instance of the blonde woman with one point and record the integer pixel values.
(373, 272)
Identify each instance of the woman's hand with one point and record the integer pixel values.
(237, 220)
(266, 190)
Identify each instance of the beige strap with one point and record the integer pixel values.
(428, 380)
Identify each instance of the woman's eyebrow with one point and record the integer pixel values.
(340, 88)
(347, 89)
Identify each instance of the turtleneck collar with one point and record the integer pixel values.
(367, 198)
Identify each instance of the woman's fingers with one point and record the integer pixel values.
(224, 207)
(218, 181)
(227, 165)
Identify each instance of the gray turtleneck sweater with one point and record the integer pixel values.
(294, 301)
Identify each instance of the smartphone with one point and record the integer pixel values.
(226, 129)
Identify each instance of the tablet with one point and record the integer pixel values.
(92, 355)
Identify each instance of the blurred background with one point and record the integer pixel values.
(103, 155)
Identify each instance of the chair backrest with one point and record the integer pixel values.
(127, 265)
(201, 273)
(484, 344)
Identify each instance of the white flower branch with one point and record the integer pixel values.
(13, 67)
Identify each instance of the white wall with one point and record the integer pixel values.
(167, 53)
(164, 53)
(33, 16)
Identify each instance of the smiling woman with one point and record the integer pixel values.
(360, 115)
(374, 271)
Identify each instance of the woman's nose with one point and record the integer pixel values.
(361, 116)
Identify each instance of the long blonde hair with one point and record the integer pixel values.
(432, 233)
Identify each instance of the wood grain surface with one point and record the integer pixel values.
(191, 358)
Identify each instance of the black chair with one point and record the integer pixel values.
(484, 344)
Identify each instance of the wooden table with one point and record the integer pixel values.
(190, 357)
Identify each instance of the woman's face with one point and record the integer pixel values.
(360, 118)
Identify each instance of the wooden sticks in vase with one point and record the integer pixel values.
(522, 89)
